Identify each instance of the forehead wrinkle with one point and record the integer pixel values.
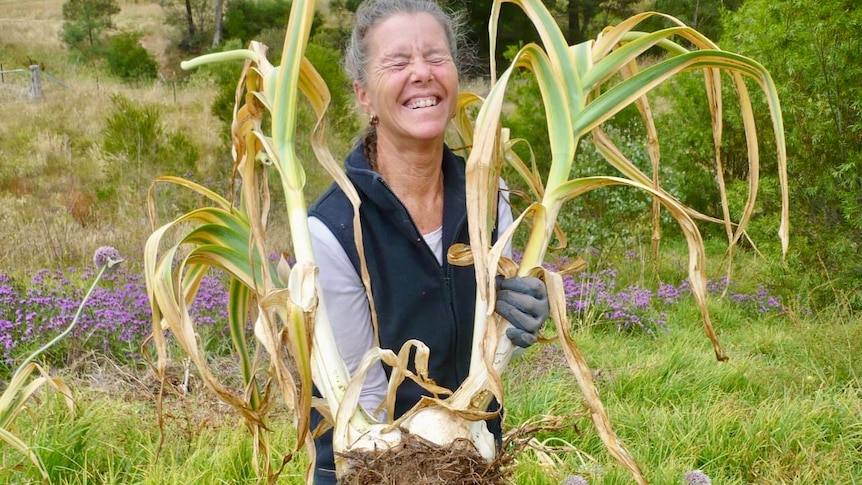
(427, 41)
(398, 55)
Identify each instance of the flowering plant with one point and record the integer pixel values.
(21, 388)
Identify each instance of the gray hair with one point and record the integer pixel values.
(373, 12)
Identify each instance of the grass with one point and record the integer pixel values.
(31, 22)
(785, 408)
(48, 190)
(52, 149)
(114, 436)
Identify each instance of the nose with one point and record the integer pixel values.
(422, 71)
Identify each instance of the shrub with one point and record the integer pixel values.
(131, 131)
(608, 214)
(128, 60)
(225, 76)
(117, 317)
(815, 65)
(327, 61)
(135, 133)
(603, 297)
(140, 148)
(246, 19)
(340, 116)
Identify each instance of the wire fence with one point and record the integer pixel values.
(21, 84)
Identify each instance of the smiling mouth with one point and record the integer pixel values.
(424, 103)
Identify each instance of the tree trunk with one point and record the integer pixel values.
(588, 11)
(191, 19)
(219, 6)
(574, 22)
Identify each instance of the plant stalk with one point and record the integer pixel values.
(71, 326)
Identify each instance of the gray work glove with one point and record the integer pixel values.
(523, 301)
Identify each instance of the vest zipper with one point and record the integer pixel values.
(460, 370)
(417, 237)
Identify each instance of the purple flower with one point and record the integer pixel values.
(116, 319)
(106, 256)
(668, 293)
(575, 480)
(697, 477)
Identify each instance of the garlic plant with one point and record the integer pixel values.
(291, 325)
(582, 86)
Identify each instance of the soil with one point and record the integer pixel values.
(420, 462)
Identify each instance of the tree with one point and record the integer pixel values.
(574, 10)
(816, 61)
(246, 20)
(194, 18)
(85, 21)
(702, 15)
(580, 18)
(815, 53)
(514, 28)
(190, 19)
(219, 24)
(585, 17)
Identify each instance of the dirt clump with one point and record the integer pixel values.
(419, 462)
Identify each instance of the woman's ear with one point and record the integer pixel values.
(362, 98)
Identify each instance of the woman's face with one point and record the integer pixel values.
(412, 82)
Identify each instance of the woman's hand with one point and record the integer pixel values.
(523, 301)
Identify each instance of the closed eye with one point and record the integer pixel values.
(396, 64)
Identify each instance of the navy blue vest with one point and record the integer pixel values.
(414, 296)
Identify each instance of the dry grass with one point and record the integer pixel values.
(31, 22)
(36, 24)
(51, 149)
(57, 156)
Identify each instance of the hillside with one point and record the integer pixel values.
(37, 23)
(58, 186)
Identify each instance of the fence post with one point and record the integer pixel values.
(36, 76)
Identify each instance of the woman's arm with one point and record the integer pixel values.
(349, 313)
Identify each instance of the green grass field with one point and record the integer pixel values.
(784, 409)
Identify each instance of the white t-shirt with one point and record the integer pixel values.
(347, 305)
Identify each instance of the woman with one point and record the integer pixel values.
(402, 60)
